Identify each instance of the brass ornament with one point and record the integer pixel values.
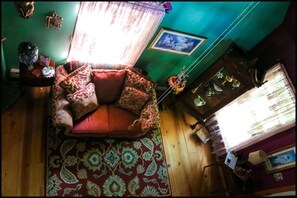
(25, 8)
(53, 20)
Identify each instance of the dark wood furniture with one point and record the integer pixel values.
(230, 75)
(27, 78)
(233, 184)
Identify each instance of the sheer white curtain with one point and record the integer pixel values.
(114, 32)
(260, 112)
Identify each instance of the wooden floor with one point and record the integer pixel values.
(23, 149)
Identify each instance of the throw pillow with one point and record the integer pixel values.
(108, 85)
(77, 79)
(73, 65)
(132, 100)
(134, 79)
(83, 101)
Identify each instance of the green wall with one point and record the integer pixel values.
(206, 19)
(210, 20)
(50, 42)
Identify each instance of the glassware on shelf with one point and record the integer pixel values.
(228, 78)
(235, 83)
(199, 101)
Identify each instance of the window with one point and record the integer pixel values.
(260, 112)
(114, 32)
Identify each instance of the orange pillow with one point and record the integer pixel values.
(108, 85)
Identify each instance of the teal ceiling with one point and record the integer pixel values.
(245, 23)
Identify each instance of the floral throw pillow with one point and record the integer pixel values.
(83, 101)
(132, 100)
(77, 79)
(73, 65)
(133, 79)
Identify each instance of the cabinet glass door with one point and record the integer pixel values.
(207, 97)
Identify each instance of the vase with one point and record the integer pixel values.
(28, 54)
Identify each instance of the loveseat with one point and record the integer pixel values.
(99, 102)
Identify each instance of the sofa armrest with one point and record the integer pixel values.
(62, 116)
(150, 118)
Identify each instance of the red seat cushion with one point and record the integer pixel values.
(120, 120)
(108, 85)
(95, 122)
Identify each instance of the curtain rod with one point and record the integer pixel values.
(151, 6)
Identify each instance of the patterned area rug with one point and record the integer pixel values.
(106, 167)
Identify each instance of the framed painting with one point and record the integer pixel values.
(176, 42)
(281, 159)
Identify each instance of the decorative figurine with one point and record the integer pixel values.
(53, 20)
(228, 78)
(178, 83)
(199, 101)
(25, 8)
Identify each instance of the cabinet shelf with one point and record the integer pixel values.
(227, 78)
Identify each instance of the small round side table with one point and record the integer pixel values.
(27, 77)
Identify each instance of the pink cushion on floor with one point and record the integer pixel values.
(96, 122)
(121, 119)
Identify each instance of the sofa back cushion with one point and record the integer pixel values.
(73, 65)
(108, 84)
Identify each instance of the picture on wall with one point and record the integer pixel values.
(281, 159)
(176, 42)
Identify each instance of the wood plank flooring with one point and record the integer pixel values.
(24, 140)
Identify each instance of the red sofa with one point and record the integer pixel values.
(121, 103)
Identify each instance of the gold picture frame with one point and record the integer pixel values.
(176, 42)
(53, 21)
(281, 159)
